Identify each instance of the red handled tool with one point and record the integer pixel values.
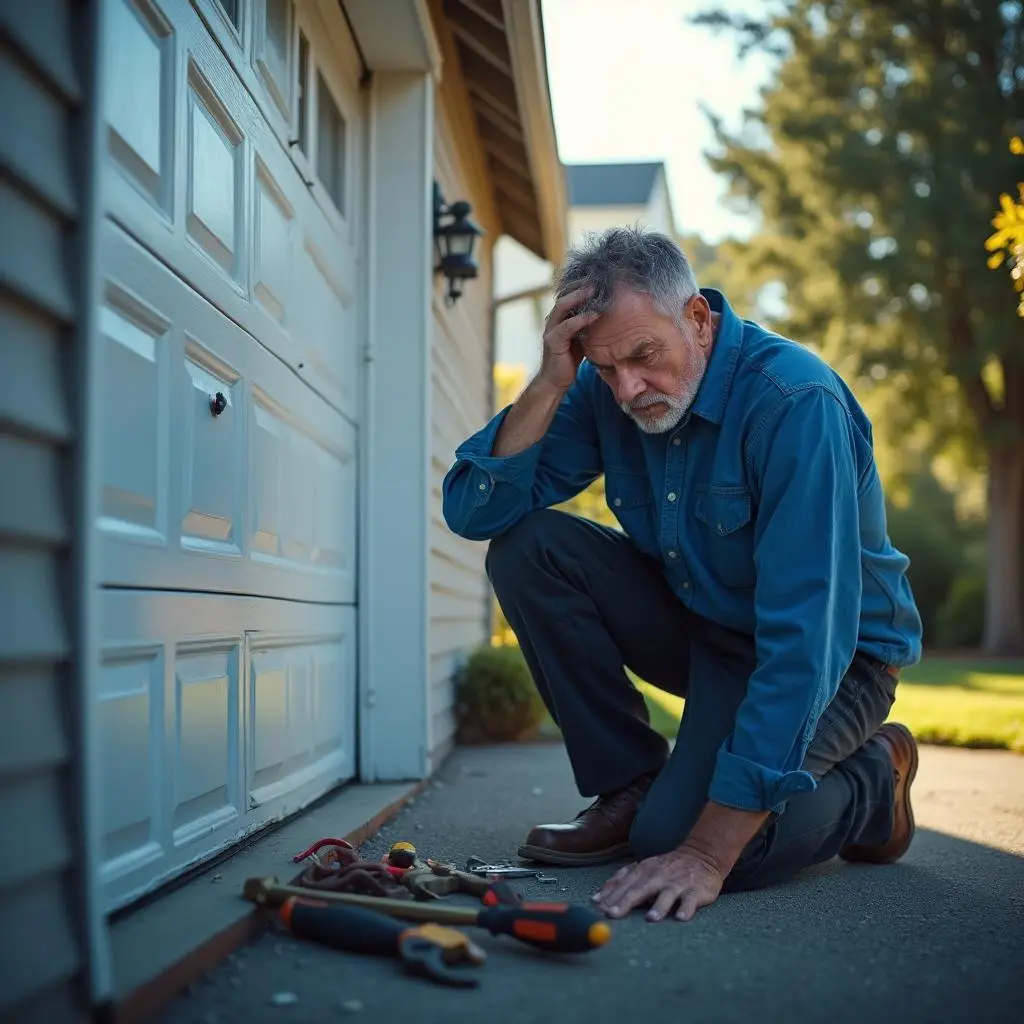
(319, 845)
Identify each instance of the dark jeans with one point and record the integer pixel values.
(584, 603)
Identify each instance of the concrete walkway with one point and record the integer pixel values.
(938, 937)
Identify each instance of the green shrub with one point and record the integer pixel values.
(961, 619)
(496, 699)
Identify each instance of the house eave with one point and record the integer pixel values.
(500, 49)
(404, 40)
(526, 44)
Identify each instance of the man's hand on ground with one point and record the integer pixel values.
(685, 879)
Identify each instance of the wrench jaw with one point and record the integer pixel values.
(475, 866)
(497, 872)
(430, 951)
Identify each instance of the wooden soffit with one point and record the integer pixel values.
(500, 47)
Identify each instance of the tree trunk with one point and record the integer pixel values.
(1004, 597)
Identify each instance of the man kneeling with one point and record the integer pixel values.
(753, 576)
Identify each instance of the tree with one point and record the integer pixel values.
(872, 164)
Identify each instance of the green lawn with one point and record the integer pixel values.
(953, 701)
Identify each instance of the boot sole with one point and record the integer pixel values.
(865, 856)
(543, 856)
(911, 775)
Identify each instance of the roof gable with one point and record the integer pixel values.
(611, 184)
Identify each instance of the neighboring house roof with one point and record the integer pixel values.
(611, 184)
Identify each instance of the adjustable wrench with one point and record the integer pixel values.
(475, 866)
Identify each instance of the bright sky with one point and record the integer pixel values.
(628, 78)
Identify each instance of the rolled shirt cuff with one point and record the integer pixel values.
(748, 786)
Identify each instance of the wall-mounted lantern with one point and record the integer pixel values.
(455, 238)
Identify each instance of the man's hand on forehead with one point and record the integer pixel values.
(586, 306)
(592, 299)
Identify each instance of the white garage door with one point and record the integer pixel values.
(228, 422)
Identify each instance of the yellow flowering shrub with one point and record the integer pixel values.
(1006, 243)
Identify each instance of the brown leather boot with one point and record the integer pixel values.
(901, 748)
(595, 836)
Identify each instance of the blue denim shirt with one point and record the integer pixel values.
(765, 508)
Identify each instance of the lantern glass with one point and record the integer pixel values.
(461, 243)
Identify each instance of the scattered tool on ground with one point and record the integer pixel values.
(475, 866)
(402, 855)
(331, 851)
(335, 866)
(428, 950)
(491, 891)
(559, 927)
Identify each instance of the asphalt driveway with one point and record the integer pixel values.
(938, 937)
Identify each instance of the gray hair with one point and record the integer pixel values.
(642, 260)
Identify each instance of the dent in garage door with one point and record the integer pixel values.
(182, 775)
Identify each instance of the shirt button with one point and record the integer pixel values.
(672, 496)
(672, 554)
(676, 441)
(686, 584)
(617, 502)
(483, 487)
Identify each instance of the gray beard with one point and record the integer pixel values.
(678, 406)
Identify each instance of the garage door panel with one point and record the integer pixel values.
(226, 21)
(207, 768)
(299, 719)
(211, 715)
(213, 453)
(130, 687)
(141, 100)
(273, 219)
(135, 340)
(273, 51)
(214, 177)
(327, 337)
(333, 517)
(215, 132)
(218, 191)
(257, 499)
(302, 492)
(331, 715)
(279, 77)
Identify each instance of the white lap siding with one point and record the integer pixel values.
(44, 145)
(461, 374)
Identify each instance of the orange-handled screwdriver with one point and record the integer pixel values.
(561, 927)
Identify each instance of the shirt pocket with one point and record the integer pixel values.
(727, 514)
